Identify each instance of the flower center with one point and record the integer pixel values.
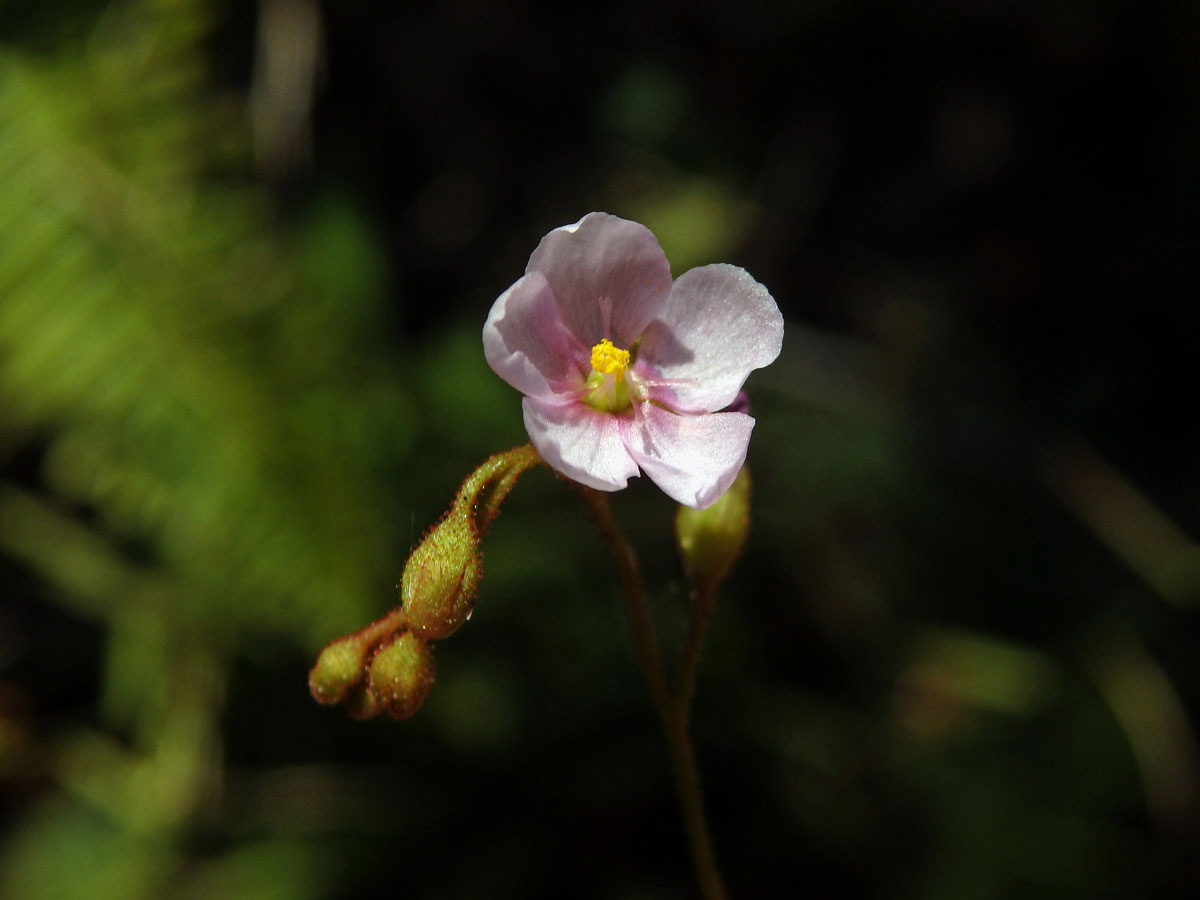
(609, 359)
(607, 389)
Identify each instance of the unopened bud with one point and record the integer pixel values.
(439, 581)
(339, 668)
(711, 539)
(361, 703)
(401, 675)
(388, 666)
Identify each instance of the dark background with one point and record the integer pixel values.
(246, 251)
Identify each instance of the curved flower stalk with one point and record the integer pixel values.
(624, 369)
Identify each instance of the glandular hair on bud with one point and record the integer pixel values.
(401, 674)
(440, 578)
(711, 539)
(340, 667)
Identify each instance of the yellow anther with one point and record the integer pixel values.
(609, 359)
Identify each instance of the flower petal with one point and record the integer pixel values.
(580, 442)
(718, 326)
(526, 343)
(692, 458)
(609, 276)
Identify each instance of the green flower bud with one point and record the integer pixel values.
(401, 675)
(388, 666)
(711, 539)
(361, 703)
(440, 578)
(340, 667)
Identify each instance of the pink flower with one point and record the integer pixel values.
(622, 368)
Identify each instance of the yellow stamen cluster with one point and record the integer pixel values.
(609, 359)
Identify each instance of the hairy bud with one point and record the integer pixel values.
(388, 666)
(339, 668)
(440, 578)
(401, 675)
(711, 539)
(361, 703)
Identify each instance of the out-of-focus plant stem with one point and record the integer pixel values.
(673, 708)
(704, 597)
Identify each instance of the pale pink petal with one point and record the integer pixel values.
(527, 345)
(718, 326)
(609, 276)
(580, 442)
(692, 458)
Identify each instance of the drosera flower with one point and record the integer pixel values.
(624, 369)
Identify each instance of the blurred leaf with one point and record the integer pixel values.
(200, 393)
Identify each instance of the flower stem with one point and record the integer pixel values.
(672, 708)
(703, 601)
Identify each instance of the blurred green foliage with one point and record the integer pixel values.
(958, 659)
(213, 415)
